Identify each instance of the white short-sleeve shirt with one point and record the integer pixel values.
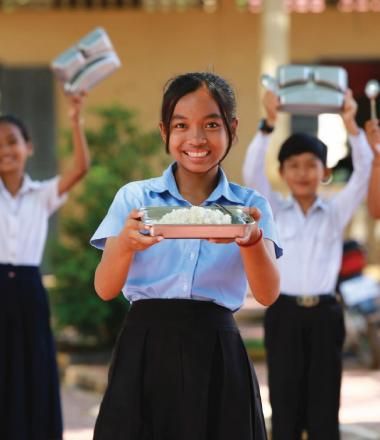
(313, 243)
(24, 220)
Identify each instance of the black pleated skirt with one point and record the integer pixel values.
(180, 371)
(29, 388)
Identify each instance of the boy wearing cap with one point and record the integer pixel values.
(304, 328)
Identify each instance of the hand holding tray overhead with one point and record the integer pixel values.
(85, 64)
(197, 222)
(308, 89)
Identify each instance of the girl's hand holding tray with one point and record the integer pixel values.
(133, 236)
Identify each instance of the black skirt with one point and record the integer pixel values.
(180, 371)
(29, 388)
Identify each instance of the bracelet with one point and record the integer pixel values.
(255, 242)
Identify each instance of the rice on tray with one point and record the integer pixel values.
(196, 215)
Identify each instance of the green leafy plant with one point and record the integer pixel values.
(120, 153)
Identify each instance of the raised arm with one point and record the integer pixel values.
(80, 156)
(254, 175)
(373, 135)
(350, 197)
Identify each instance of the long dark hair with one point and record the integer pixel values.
(219, 89)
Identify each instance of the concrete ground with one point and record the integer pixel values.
(359, 415)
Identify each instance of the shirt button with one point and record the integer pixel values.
(192, 256)
(184, 287)
(11, 274)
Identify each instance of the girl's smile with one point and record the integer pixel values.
(197, 154)
(14, 150)
(198, 139)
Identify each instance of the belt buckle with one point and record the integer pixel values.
(308, 300)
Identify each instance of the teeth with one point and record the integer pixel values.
(197, 154)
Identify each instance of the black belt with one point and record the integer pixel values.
(309, 300)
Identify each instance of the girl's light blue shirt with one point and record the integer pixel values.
(184, 268)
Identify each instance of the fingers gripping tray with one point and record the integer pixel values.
(85, 64)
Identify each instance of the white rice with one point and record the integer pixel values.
(196, 215)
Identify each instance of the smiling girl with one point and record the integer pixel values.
(29, 389)
(180, 370)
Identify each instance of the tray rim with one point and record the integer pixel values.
(233, 207)
(200, 231)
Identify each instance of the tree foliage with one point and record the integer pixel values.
(120, 153)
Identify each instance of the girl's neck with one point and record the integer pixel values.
(195, 188)
(12, 182)
(305, 202)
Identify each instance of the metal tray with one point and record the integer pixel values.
(87, 63)
(92, 74)
(239, 227)
(308, 89)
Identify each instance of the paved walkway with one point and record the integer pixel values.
(360, 398)
(360, 409)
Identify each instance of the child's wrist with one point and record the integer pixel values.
(125, 248)
(271, 119)
(77, 120)
(352, 127)
(376, 160)
(254, 242)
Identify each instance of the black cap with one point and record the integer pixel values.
(299, 143)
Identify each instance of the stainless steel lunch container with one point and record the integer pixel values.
(238, 228)
(310, 89)
(82, 66)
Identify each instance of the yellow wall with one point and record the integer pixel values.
(155, 46)
(335, 35)
(152, 48)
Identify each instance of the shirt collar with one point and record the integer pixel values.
(319, 203)
(27, 185)
(167, 183)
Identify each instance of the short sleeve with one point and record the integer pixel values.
(115, 218)
(267, 223)
(52, 198)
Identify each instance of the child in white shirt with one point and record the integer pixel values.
(304, 328)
